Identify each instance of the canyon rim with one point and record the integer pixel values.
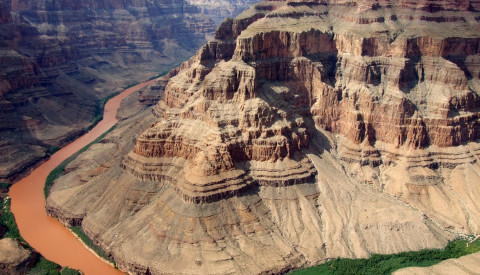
(304, 131)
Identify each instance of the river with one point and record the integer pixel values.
(46, 234)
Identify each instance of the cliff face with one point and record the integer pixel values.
(305, 130)
(391, 82)
(59, 57)
(219, 10)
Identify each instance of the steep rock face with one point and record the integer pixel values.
(218, 10)
(148, 224)
(59, 57)
(370, 87)
(305, 130)
(232, 135)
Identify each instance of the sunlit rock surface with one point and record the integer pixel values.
(305, 131)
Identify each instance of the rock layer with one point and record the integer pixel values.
(219, 10)
(306, 130)
(370, 87)
(59, 57)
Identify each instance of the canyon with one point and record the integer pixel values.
(305, 130)
(59, 58)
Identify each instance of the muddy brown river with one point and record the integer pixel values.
(46, 234)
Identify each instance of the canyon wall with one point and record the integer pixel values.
(219, 10)
(305, 131)
(59, 57)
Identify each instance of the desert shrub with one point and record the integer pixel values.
(89, 242)
(69, 271)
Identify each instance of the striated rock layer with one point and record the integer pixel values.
(150, 225)
(219, 10)
(59, 57)
(306, 130)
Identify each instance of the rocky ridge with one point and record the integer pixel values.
(306, 130)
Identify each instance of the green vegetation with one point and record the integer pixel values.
(131, 85)
(93, 122)
(161, 74)
(52, 150)
(386, 264)
(44, 267)
(88, 242)
(4, 186)
(58, 171)
(99, 110)
(69, 271)
(8, 220)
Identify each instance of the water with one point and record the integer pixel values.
(46, 234)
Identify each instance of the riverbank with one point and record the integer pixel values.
(35, 163)
(22, 258)
(82, 237)
(46, 234)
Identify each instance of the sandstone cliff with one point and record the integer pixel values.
(306, 130)
(59, 57)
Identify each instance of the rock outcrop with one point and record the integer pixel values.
(219, 10)
(306, 130)
(14, 259)
(59, 57)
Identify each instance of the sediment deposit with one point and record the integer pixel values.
(305, 131)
